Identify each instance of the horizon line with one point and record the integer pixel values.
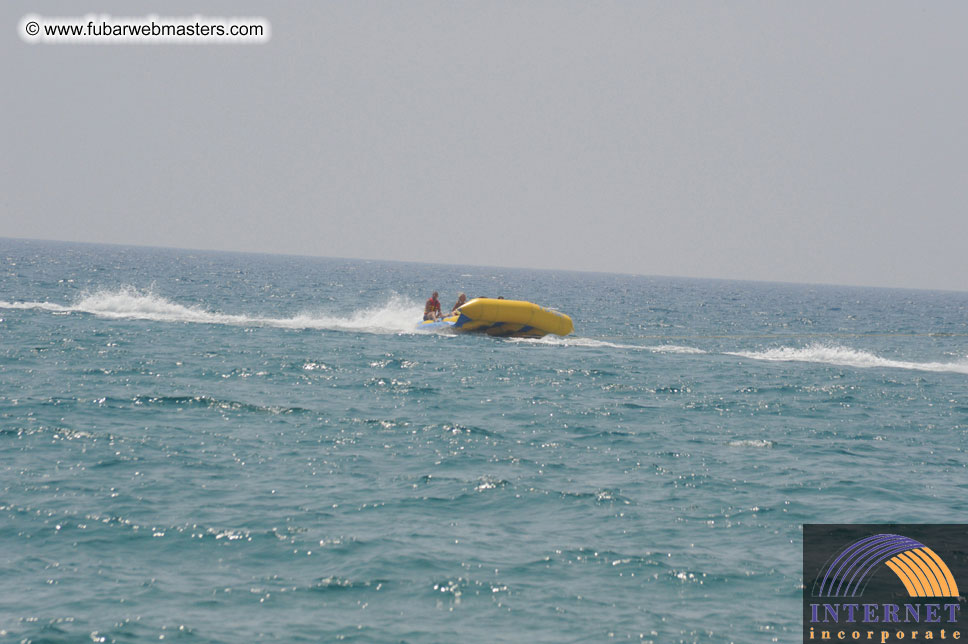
(490, 266)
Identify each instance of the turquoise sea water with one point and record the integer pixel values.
(214, 447)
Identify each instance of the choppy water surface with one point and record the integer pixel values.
(209, 447)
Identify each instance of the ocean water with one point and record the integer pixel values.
(216, 447)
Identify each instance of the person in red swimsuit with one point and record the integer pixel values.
(432, 308)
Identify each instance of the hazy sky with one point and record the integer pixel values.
(806, 142)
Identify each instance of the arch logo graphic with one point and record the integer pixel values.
(883, 583)
(919, 568)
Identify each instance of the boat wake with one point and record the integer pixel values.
(397, 315)
(846, 357)
(569, 341)
(128, 303)
(816, 353)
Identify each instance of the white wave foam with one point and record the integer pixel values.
(395, 316)
(43, 306)
(846, 357)
(751, 443)
(129, 303)
(674, 348)
(558, 341)
(569, 341)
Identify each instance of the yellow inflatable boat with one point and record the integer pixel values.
(505, 318)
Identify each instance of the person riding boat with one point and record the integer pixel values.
(432, 309)
(461, 300)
